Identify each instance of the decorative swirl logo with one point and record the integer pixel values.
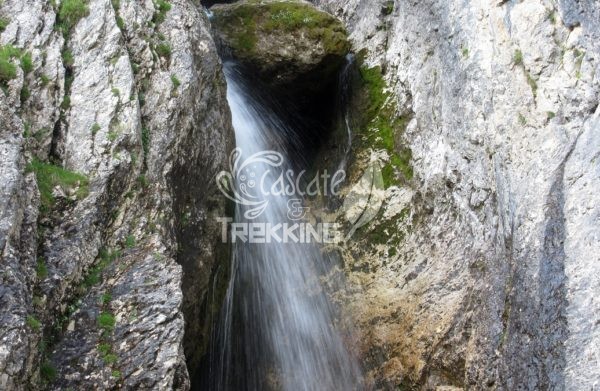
(244, 193)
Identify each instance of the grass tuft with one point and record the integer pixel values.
(33, 323)
(70, 12)
(50, 176)
(106, 321)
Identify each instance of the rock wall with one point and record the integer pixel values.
(480, 271)
(118, 109)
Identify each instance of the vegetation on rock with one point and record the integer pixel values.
(246, 21)
(382, 126)
(50, 176)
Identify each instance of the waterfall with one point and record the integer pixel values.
(276, 329)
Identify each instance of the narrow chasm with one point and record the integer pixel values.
(274, 325)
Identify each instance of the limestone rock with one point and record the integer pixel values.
(487, 281)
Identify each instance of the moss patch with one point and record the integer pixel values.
(50, 176)
(70, 12)
(245, 22)
(381, 126)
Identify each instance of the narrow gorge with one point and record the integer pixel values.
(299, 195)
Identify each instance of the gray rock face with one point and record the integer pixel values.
(119, 269)
(492, 278)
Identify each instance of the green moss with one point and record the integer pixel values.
(245, 21)
(116, 4)
(50, 176)
(3, 24)
(381, 127)
(522, 119)
(106, 321)
(70, 12)
(550, 115)
(116, 374)
(95, 128)
(41, 270)
(66, 103)
(116, 92)
(465, 52)
(33, 323)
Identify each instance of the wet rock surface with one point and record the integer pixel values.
(485, 278)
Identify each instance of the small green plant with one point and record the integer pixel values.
(532, 84)
(550, 115)
(104, 348)
(110, 359)
(106, 298)
(145, 141)
(106, 321)
(26, 63)
(163, 49)
(48, 372)
(106, 258)
(552, 17)
(37, 301)
(130, 241)
(518, 57)
(116, 4)
(67, 57)
(522, 119)
(116, 92)
(33, 323)
(142, 181)
(95, 128)
(120, 23)
(25, 94)
(44, 80)
(3, 24)
(388, 7)
(66, 103)
(8, 70)
(41, 270)
(70, 12)
(50, 176)
(465, 52)
(112, 135)
(161, 7)
(116, 374)
(175, 81)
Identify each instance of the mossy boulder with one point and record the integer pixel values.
(287, 43)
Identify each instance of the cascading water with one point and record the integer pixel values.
(277, 326)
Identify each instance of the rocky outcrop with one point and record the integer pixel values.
(479, 271)
(289, 44)
(119, 108)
